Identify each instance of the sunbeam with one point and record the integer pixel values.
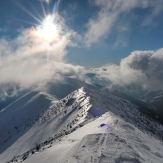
(36, 11)
(28, 22)
(55, 6)
(24, 9)
(49, 31)
(43, 9)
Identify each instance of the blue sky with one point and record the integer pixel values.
(121, 40)
(110, 48)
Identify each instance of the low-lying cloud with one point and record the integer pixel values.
(141, 68)
(28, 61)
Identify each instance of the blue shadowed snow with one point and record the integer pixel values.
(96, 112)
(102, 125)
(106, 127)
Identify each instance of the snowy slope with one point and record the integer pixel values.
(63, 132)
(46, 124)
(17, 118)
(122, 142)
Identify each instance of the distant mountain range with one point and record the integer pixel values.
(150, 101)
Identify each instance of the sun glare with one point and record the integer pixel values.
(48, 30)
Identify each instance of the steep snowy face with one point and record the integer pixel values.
(18, 117)
(75, 104)
(41, 118)
(152, 109)
(128, 111)
(157, 102)
(94, 142)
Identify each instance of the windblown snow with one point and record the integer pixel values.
(85, 126)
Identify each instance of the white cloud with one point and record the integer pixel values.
(141, 68)
(100, 26)
(23, 60)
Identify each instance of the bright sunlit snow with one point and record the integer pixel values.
(69, 130)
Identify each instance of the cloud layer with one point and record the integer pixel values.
(111, 12)
(28, 61)
(141, 68)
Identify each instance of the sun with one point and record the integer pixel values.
(48, 30)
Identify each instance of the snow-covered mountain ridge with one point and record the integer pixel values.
(75, 112)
